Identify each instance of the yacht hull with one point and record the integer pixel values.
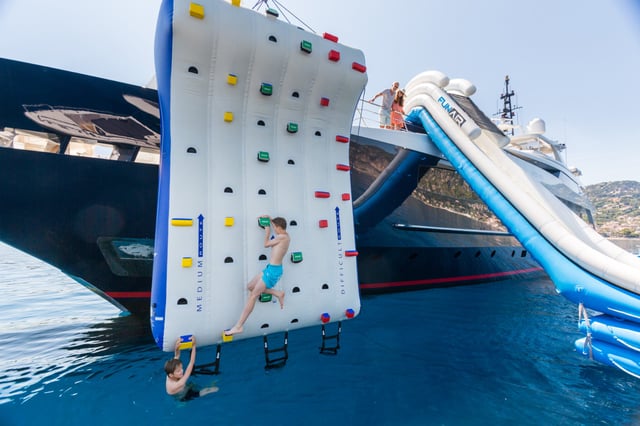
(75, 213)
(94, 219)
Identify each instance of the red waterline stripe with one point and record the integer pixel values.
(129, 294)
(147, 294)
(448, 279)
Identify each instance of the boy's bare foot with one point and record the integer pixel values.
(206, 391)
(233, 330)
(280, 296)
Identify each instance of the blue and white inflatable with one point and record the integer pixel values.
(585, 267)
(256, 118)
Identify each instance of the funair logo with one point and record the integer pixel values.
(453, 113)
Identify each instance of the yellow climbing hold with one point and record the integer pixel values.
(196, 10)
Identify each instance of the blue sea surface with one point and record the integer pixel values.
(492, 354)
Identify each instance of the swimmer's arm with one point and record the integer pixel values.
(176, 353)
(192, 361)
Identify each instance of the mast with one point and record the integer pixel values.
(508, 110)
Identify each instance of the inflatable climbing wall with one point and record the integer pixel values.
(256, 118)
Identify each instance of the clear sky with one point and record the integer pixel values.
(574, 63)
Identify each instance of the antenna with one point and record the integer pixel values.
(507, 113)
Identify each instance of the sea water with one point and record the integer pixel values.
(492, 354)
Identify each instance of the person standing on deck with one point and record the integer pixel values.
(387, 101)
(397, 111)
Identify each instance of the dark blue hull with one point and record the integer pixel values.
(65, 210)
(94, 219)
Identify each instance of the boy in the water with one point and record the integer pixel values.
(176, 383)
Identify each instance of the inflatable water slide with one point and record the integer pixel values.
(585, 267)
(256, 120)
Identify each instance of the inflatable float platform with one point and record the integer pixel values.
(585, 267)
(256, 119)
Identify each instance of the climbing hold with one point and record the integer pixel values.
(334, 55)
(330, 37)
(292, 127)
(187, 262)
(324, 101)
(196, 10)
(343, 167)
(272, 12)
(266, 89)
(342, 139)
(350, 313)
(186, 342)
(350, 253)
(305, 46)
(179, 221)
(232, 79)
(228, 117)
(263, 222)
(296, 257)
(263, 156)
(358, 67)
(323, 223)
(325, 318)
(265, 297)
(228, 221)
(322, 194)
(346, 197)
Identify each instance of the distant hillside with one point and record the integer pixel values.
(617, 208)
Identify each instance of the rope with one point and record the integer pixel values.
(582, 312)
(281, 9)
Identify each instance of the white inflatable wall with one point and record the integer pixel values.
(260, 117)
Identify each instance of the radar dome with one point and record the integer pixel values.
(536, 126)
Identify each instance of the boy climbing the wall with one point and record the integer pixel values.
(265, 281)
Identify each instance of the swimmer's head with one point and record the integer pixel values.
(279, 221)
(173, 367)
